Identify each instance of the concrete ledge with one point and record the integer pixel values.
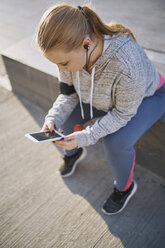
(31, 74)
(150, 149)
(37, 86)
(27, 53)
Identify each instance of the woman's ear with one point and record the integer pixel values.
(86, 43)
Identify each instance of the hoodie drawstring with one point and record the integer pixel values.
(79, 94)
(91, 93)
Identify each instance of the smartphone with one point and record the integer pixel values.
(41, 137)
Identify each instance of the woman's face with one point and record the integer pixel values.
(72, 61)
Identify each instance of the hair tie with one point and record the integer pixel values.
(82, 11)
(80, 8)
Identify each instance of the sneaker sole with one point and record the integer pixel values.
(83, 155)
(126, 202)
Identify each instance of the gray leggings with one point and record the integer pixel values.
(118, 146)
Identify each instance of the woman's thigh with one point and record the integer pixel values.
(150, 110)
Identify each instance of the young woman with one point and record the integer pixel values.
(106, 77)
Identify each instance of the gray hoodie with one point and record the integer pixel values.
(117, 83)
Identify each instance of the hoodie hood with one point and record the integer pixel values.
(109, 49)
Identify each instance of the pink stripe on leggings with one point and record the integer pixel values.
(131, 175)
(161, 80)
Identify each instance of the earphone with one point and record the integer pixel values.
(86, 47)
(87, 61)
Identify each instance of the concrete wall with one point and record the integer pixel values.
(38, 87)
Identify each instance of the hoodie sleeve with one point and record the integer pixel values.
(128, 96)
(65, 102)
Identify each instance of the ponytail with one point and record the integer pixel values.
(99, 28)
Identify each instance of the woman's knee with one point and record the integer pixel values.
(115, 142)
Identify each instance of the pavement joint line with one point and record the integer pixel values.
(153, 50)
(154, 55)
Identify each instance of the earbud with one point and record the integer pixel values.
(87, 59)
(86, 47)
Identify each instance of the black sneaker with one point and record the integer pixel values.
(71, 162)
(118, 200)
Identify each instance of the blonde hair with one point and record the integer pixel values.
(67, 26)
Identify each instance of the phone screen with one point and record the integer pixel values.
(45, 135)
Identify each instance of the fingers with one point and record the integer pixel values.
(70, 137)
(68, 143)
(61, 144)
(60, 131)
(51, 126)
(44, 128)
(48, 125)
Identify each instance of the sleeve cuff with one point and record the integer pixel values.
(85, 138)
(81, 137)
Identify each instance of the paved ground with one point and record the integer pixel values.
(39, 209)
